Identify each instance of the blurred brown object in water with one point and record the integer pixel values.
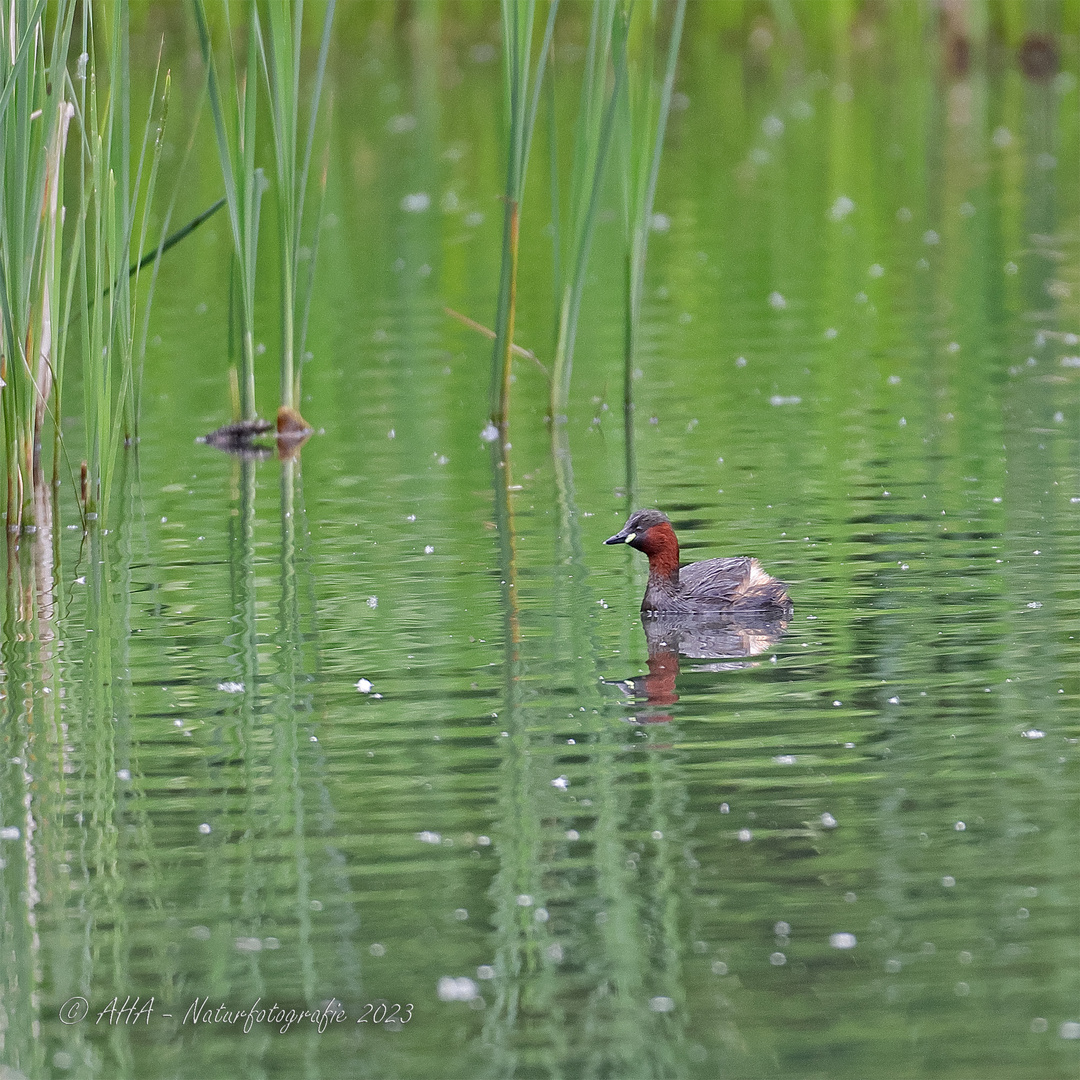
(1038, 57)
(956, 41)
(246, 438)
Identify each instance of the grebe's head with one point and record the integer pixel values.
(638, 524)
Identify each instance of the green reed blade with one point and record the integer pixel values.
(643, 143)
(593, 135)
(242, 181)
(281, 65)
(522, 104)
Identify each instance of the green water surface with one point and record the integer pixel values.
(339, 730)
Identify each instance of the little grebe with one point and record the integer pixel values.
(738, 584)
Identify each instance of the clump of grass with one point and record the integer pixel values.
(112, 203)
(277, 51)
(35, 113)
(52, 278)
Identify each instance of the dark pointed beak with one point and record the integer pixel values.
(618, 538)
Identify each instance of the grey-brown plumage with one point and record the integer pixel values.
(736, 584)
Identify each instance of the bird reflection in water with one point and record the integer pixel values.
(728, 639)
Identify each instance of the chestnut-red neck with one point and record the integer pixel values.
(662, 547)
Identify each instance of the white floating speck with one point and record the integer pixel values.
(554, 952)
(660, 223)
(524, 900)
(573, 834)
(740, 361)
(1034, 604)
(894, 701)
(414, 204)
(831, 333)
(828, 821)
(661, 1004)
(560, 782)
(248, 944)
(960, 826)
(204, 828)
(123, 774)
(485, 971)
(231, 687)
(541, 915)
(782, 929)
(781, 399)
(745, 835)
(397, 125)
(719, 967)
(429, 549)
(930, 237)
(842, 941)
(372, 601)
(777, 301)
(1069, 1029)
(1070, 361)
(784, 759)
(777, 959)
(10, 832)
(364, 686)
(459, 989)
(429, 837)
(841, 208)
(948, 881)
(876, 270)
(1002, 137)
(490, 432)
(1033, 733)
